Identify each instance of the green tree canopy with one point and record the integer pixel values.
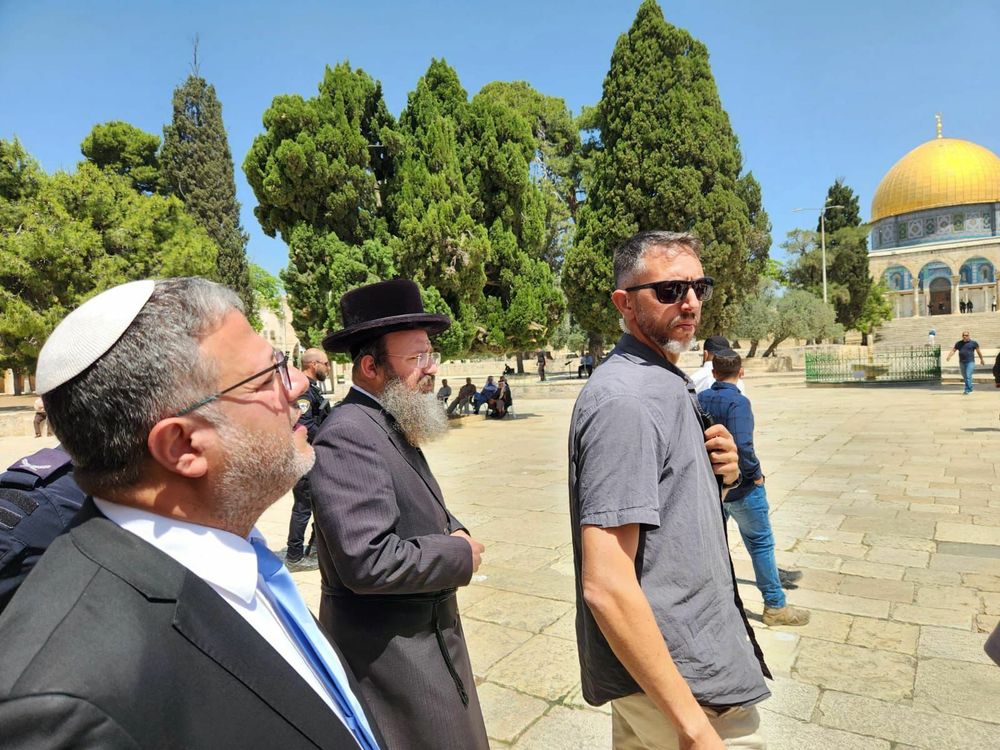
(321, 268)
(557, 165)
(800, 314)
(877, 310)
(197, 166)
(756, 315)
(848, 278)
(436, 241)
(78, 235)
(667, 159)
(267, 289)
(317, 172)
(126, 150)
(320, 160)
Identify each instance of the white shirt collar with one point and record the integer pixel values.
(359, 389)
(220, 558)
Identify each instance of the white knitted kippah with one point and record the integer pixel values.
(87, 333)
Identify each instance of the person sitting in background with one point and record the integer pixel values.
(464, 398)
(444, 392)
(489, 390)
(498, 405)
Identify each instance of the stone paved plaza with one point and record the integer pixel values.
(887, 499)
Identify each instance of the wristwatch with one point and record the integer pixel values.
(739, 478)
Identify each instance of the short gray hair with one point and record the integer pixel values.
(103, 416)
(630, 254)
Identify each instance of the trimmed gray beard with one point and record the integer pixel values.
(259, 469)
(678, 347)
(419, 415)
(669, 346)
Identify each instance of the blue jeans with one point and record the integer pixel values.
(967, 368)
(751, 514)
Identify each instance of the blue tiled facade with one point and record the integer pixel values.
(936, 225)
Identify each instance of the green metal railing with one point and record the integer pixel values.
(916, 364)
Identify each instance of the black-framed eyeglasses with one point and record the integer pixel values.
(280, 365)
(674, 290)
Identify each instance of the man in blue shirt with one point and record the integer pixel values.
(747, 502)
(967, 350)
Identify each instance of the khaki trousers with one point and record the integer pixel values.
(637, 724)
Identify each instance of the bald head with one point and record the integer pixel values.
(315, 364)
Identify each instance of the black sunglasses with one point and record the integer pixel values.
(674, 290)
(280, 364)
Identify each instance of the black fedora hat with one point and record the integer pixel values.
(370, 311)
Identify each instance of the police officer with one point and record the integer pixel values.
(313, 408)
(38, 501)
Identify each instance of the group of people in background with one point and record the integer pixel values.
(495, 396)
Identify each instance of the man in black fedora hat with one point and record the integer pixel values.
(390, 553)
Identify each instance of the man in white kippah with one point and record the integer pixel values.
(161, 619)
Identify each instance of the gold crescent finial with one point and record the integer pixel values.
(937, 118)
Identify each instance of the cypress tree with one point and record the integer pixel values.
(523, 304)
(847, 253)
(197, 166)
(436, 241)
(667, 159)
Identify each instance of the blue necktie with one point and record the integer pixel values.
(300, 624)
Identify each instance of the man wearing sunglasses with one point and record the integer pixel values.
(660, 628)
(161, 618)
(391, 555)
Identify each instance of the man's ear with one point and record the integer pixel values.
(741, 373)
(368, 367)
(620, 299)
(178, 445)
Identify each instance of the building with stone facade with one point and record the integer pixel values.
(934, 224)
(277, 329)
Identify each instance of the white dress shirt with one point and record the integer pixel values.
(228, 564)
(703, 378)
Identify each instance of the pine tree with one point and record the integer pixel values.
(197, 166)
(667, 159)
(126, 150)
(66, 237)
(318, 172)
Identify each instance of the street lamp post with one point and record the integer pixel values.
(822, 238)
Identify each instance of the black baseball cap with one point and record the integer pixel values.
(715, 344)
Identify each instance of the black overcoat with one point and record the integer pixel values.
(110, 644)
(390, 570)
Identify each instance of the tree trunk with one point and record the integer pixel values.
(774, 345)
(520, 363)
(864, 338)
(753, 349)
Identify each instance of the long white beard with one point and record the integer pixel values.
(420, 416)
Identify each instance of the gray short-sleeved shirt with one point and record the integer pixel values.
(637, 456)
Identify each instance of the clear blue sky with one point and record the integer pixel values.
(814, 91)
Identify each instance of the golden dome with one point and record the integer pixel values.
(941, 172)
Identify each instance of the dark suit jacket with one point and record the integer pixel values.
(110, 643)
(380, 508)
(389, 572)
